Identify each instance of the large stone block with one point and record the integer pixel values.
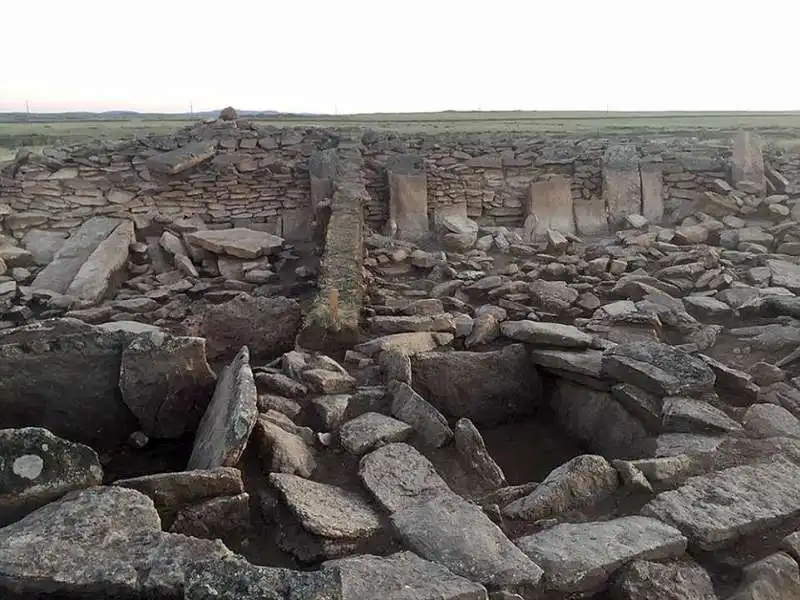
(551, 205)
(652, 191)
(408, 197)
(591, 216)
(747, 161)
(622, 185)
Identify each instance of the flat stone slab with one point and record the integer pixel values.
(94, 541)
(770, 420)
(408, 343)
(546, 334)
(238, 242)
(370, 430)
(581, 557)
(183, 158)
(397, 475)
(326, 510)
(673, 580)
(403, 575)
(784, 274)
(429, 423)
(98, 275)
(37, 467)
(588, 363)
(715, 510)
(229, 419)
(658, 368)
(58, 275)
(458, 535)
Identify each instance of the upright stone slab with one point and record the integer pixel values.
(322, 168)
(622, 185)
(445, 211)
(551, 205)
(652, 190)
(747, 161)
(591, 216)
(408, 197)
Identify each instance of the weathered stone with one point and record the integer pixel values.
(472, 450)
(183, 158)
(397, 475)
(747, 161)
(282, 451)
(785, 274)
(95, 541)
(408, 198)
(238, 242)
(715, 510)
(770, 420)
(230, 417)
(485, 387)
(546, 334)
(622, 186)
(408, 343)
(582, 557)
(222, 518)
(676, 580)
(775, 577)
(411, 408)
(172, 491)
(387, 325)
(324, 381)
(457, 534)
(267, 326)
(588, 363)
(658, 368)
(403, 575)
(551, 205)
(370, 430)
(43, 245)
(578, 484)
(688, 415)
(166, 382)
(652, 191)
(337, 520)
(281, 384)
(37, 467)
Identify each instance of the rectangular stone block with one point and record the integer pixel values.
(591, 216)
(747, 161)
(408, 198)
(551, 205)
(622, 185)
(652, 191)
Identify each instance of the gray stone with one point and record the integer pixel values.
(747, 161)
(387, 325)
(641, 404)
(770, 420)
(166, 382)
(676, 580)
(658, 368)
(472, 450)
(688, 415)
(457, 534)
(707, 309)
(267, 326)
(485, 387)
(398, 476)
(582, 557)
(279, 383)
(429, 423)
(282, 451)
(226, 425)
(785, 274)
(37, 467)
(331, 410)
(182, 158)
(776, 577)
(172, 491)
(401, 576)
(715, 510)
(238, 242)
(622, 186)
(578, 484)
(324, 381)
(337, 520)
(370, 430)
(551, 205)
(43, 245)
(408, 201)
(546, 334)
(485, 329)
(408, 343)
(221, 518)
(587, 364)
(96, 541)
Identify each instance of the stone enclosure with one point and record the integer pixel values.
(242, 362)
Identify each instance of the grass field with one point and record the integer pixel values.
(779, 127)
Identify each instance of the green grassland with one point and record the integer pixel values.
(781, 127)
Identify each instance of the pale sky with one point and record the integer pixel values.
(352, 56)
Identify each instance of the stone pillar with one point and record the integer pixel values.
(622, 184)
(747, 163)
(408, 197)
(652, 190)
(550, 206)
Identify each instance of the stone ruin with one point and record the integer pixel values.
(245, 363)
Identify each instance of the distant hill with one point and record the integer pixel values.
(122, 115)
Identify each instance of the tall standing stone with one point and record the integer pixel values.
(652, 190)
(622, 185)
(408, 197)
(591, 216)
(551, 205)
(747, 161)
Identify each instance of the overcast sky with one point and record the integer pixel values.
(352, 56)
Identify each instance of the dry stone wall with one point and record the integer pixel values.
(236, 173)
